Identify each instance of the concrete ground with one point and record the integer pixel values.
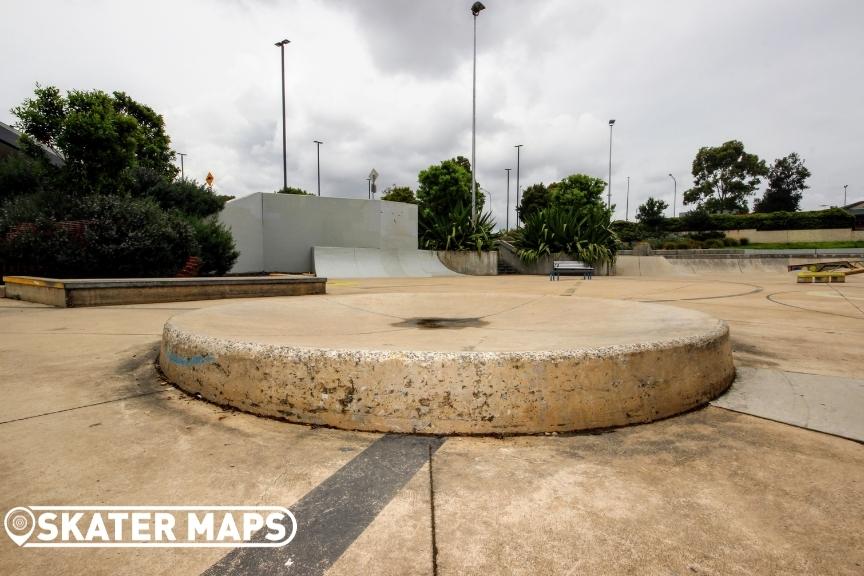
(85, 419)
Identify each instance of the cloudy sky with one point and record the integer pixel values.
(387, 84)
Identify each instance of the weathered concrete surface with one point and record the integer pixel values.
(465, 364)
(69, 293)
(470, 262)
(826, 403)
(708, 492)
(335, 262)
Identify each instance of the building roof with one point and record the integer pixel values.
(9, 138)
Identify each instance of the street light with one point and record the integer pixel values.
(518, 150)
(507, 217)
(611, 123)
(627, 205)
(318, 149)
(281, 46)
(369, 188)
(844, 193)
(674, 194)
(182, 172)
(475, 10)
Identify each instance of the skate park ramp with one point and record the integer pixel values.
(336, 262)
(661, 266)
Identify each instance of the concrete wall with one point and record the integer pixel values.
(783, 236)
(473, 262)
(282, 240)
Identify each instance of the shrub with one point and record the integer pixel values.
(700, 220)
(456, 231)
(713, 243)
(215, 245)
(744, 241)
(102, 236)
(585, 233)
(730, 242)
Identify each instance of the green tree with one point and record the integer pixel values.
(650, 214)
(399, 194)
(787, 180)
(293, 190)
(724, 177)
(577, 191)
(100, 136)
(535, 197)
(445, 186)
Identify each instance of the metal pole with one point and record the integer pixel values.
(609, 201)
(507, 218)
(474, 132)
(369, 188)
(627, 205)
(182, 171)
(318, 150)
(284, 136)
(674, 194)
(518, 150)
(844, 193)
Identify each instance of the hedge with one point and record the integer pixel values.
(820, 219)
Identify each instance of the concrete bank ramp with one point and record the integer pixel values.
(662, 266)
(336, 262)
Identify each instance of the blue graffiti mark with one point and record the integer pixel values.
(190, 361)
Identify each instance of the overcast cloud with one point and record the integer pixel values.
(387, 84)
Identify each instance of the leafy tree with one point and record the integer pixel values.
(445, 186)
(534, 198)
(100, 136)
(577, 191)
(187, 196)
(21, 175)
(399, 194)
(293, 190)
(787, 180)
(650, 214)
(456, 231)
(724, 177)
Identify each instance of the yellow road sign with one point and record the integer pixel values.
(209, 179)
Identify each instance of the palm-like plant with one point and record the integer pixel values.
(456, 231)
(585, 233)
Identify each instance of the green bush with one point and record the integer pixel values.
(455, 230)
(585, 233)
(730, 242)
(744, 241)
(713, 243)
(700, 220)
(215, 246)
(102, 236)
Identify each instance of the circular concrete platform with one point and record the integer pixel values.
(444, 363)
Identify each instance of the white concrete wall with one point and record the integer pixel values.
(243, 217)
(293, 224)
(785, 236)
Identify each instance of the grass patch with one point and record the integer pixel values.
(811, 245)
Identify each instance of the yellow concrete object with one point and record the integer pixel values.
(821, 277)
(451, 364)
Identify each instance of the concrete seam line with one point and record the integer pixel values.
(87, 406)
(432, 516)
(332, 515)
(775, 420)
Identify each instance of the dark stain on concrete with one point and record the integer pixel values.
(439, 323)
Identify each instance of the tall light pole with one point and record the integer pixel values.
(369, 188)
(182, 171)
(281, 44)
(627, 205)
(475, 10)
(507, 217)
(318, 150)
(518, 150)
(674, 194)
(844, 193)
(609, 202)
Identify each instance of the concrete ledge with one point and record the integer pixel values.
(451, 364)
(68, 293)
(471, 262)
